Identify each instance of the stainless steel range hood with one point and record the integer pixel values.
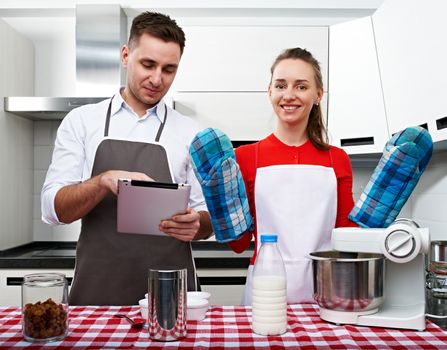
(101, 30)
(45, 108)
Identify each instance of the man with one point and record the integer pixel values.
(99, 143)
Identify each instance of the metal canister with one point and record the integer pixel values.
(436, 284)
(44, 307)
(167, 304)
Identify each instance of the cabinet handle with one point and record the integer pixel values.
(226, 280)
(18, 281)
(237, 143)
(441, 123)
(357, 141)
(425, 126)
(232, 280)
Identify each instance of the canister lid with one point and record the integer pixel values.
(438, 251)
(270, 238)
(168, 274)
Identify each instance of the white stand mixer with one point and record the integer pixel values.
(403, 244)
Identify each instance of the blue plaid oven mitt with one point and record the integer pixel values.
(404, 159)
(215, 166)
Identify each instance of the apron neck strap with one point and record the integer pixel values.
(162, 125)
(160, 128)
(106, 128)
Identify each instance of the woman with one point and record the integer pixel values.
(299, 186)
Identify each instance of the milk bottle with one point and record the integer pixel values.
(269, 292)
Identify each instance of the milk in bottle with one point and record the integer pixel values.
(269, 292)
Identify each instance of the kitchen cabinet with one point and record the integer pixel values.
(242, 116)
(238, 58)
(224, 294)
(224, 74)
(356, 112)
(410, 38)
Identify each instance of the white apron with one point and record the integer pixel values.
(299, 204)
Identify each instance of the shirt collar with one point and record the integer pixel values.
(118, 102)
(306, 145)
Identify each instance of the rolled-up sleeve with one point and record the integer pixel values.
(66, 166)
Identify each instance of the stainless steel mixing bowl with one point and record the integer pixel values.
(348, 281)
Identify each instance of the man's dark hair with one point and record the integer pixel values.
(158, 25)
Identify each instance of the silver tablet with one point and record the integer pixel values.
(143, 204)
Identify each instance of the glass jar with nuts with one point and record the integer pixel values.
(44, 307)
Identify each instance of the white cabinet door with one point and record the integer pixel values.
(229, 294)
(412, 51)
(243, 116)
(238, 58)
(356, 113)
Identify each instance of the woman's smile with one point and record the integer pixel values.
(290, 108)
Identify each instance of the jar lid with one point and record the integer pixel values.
(270, 238)
(44, 279)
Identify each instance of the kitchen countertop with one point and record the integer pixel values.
(226, 327)
(61, 255)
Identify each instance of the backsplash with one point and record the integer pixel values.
(429, 199)
(44, 136)
(427, 205)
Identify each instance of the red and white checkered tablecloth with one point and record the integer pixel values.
(224, 327)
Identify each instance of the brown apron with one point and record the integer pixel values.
(111, 267)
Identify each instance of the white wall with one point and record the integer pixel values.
(16, 140)
(429, 205)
